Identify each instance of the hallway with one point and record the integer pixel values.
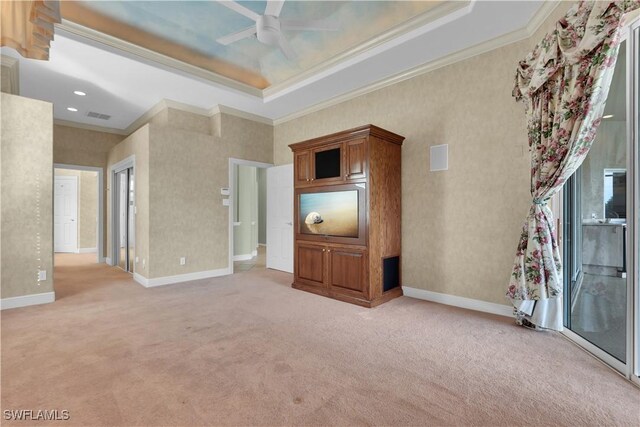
(80, 276)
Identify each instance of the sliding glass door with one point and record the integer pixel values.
(601, 210)
(634, 129)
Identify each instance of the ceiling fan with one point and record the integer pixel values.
(268, 26)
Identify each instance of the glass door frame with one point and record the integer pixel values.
(633, 208)
(631, 368)
(114, 170)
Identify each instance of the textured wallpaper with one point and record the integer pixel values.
(180, 211)
(460, 227)
(26, 196)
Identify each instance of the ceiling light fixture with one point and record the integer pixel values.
(72, 109)
(79, 92)
(608, 116)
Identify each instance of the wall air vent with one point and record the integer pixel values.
(98, 115)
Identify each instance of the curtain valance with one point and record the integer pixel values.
(584, 28)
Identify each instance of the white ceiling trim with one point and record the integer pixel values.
(538, 19)
(439, 15)
(86, 126)
(527, 31)
(83, 34)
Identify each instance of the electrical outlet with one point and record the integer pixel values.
(143, 263)
(137, 259)
(183, 261)
(42, 275)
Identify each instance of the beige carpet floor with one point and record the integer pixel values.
(249, 350)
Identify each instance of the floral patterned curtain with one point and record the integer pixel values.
(564, 83)
(27, 26)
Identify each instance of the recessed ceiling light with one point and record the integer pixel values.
(608, 116)
(79, 92)
(72, 109)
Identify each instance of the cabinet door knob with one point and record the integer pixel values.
(328, 250)
(323, 249)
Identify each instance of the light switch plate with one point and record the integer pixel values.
(225, 202)
(42, 275)
(224, 191)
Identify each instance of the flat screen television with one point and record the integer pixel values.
(332, 212)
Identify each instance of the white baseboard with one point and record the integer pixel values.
(168, 280)
(107, 260)
(26, 300)
(87, 250)
(456, 301)
(244, 257)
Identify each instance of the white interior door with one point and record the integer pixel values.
(65, 216)
(280, 218)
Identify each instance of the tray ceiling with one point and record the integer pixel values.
(188, 30)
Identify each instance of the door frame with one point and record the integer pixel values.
(633, 207)
(630, 368)
(129, 162)
(100, 227)
(233, 162)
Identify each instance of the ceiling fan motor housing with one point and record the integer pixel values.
(268, 29)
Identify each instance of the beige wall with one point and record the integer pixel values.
(137, 144)
(26, 196)
(87, 206)
(83, 147)
(180, 211)
(460, 227)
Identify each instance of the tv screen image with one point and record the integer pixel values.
(332, 213)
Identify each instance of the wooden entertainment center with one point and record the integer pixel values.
(347, 215)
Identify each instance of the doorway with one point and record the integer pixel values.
(78, 216)
(247, 215)
(123, 218)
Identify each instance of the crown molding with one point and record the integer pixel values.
(216, 109)
(515, 36)
(90, 127)
(242, 114)
(523, 33)
(541, 16)
(72, 29)
(12, 66)
(364, 50)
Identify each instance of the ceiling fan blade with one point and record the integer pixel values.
(237, 7)
(234, 37)
(286, 48)
(274, 7)
(302, 25)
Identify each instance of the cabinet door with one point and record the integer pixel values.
(310, 264)
(356, 159)
(347, 271)
(327, 164)
(302, 168)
